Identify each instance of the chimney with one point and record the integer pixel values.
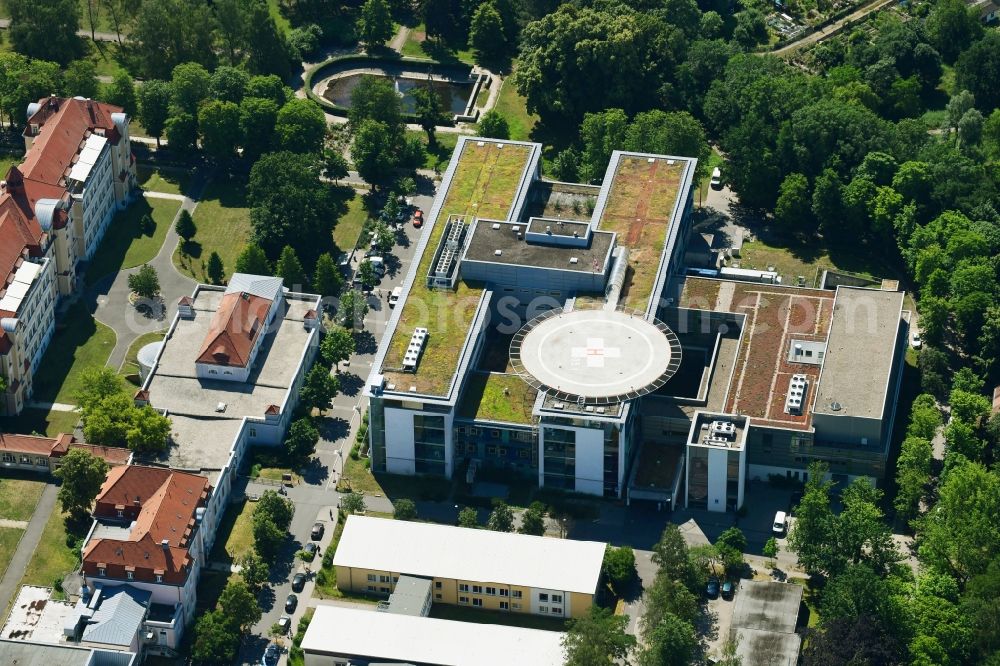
(166, 544)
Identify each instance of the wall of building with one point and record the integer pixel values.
(847, 429)
(588, 474)
(400, 441)
(717, 464)
(514, 276)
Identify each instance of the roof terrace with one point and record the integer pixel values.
(483, 181)
(496, 396)
(640, 205)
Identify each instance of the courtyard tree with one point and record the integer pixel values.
(366, 273)
(730, 546)
(533, 520)
(215, 270)
(290, 270)
(215, 639)
(353, 503)
(671, 555)
(145, 283)
(96, 384)
(770, 551)
(185, 226)
(154, 107)
(404, 509)
(427, 106)
(375, 25)
(240, 605)
(619, 568)
(300, 443)
(493, 125)
(81, 475)
(319, 389)
(252, 260)
(352, 310)
(276, 508)
(598, 639)
(148, 430)
(337, 345)
(811, 536)
(254, 571)
(672, 642)
(334, 164)
(501, 517)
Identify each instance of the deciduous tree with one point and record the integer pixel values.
(81, 475)
(154, 107)
(319, 389)
(300, 126)
(337, 345)
(375, 25)
(493, 125)
(501, 518)
(300, 443)
(144, 282)
(45, 30)
(598, 639)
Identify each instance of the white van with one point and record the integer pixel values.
(716, 181)
(394, 296)
(780, 523)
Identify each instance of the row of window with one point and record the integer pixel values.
(25, 460)
(129, 575)
(517, 435)
(383, 590)
(478, 603)
(490, 591)
(382, 579)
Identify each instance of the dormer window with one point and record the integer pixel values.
(130, 575)
(121, 513)
(159, 578)
(101, 571)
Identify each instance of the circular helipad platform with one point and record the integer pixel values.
(595, 356)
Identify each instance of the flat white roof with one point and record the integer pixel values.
(444, 551)
(413, 639)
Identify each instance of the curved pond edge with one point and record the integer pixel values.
(346, 63)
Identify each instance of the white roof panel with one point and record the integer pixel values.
(444, 551)
(424, 640)
(10, 303)
(27, 272)
(88, 157)
(256, 285)
(18, 289)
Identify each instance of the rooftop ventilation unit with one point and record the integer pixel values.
(413, 351)
(650, 159)
(559, 405)
(516, 228)
(723, 429)
(497, 253)
(480, 143)
(796, 394)
(574, 260)
(496, 227)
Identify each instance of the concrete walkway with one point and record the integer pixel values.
(52, 406)
(111, 293)
(26, 547)
(13, 524)
(397, 41)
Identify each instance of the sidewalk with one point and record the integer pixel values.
(26, 546)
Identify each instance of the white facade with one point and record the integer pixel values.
(400, 445)
(32, 297)
(588, 462)
(94, 204)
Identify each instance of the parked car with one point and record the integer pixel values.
(716, 181)
(728, 589)
(291, 603)
(418, 218)
(780, 523)
(317, 531)
(712, 589)
(298, 582)
(284, 622)
(271, 654)
(394, 297)
(915, 341)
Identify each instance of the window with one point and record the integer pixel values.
(491, 450)
(516, 606)
(492, 591)
(463, 600)
(504, 605)
(8, 458)
(437, 596)
(523, 453)
(24, 460)
(384, 590)
(41, 462)
(543, 596)
(556, 610)
(253, 432)
(504, 592)
(371, 578)
(463, 587)
(102, 571)
(557, 598)
(121, 513)
(383, 579)
(437, 585)
(543, 609)
(371, 588)
(395, 579)
(478, 603)
(516, 594)
(130, 575)
(159, 578)
(477, 589)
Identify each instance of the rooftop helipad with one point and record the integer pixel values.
(595, 356)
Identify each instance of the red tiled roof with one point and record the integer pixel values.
(235, 326)
(65, 124)
(272, 410)
(30, 444)
(113, 455)
(185, 300)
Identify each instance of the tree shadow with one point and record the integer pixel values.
(365, 342)
(350, 383)
(315, 472)
(191, 249)
(332, 428)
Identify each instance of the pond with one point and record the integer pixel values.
(454, 95)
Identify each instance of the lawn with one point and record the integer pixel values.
(792, 257)
(18, 497)
(274, 8)
(53, 558)
(514, 108)
(163, 179)
(235, 535)
(7, 160)
(131, 364)
(223, 221)
(48, 423)
(348, 228)
(9, 538)
(126, 243)
(714, 160)
(417, 46)
(80, 342)
(439, 157)
(358, 478)
(497, 397)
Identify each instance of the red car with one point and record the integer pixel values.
(418, 218)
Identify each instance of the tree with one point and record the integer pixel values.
(267, 536)
(667, 596)
(254, 571)
(366, 272)
(812, 534)
(300, 443)
(468, 517)
(618, 568)
(46, 30)
(239, 605)
(353, 308)
(566, 165)
(676, 133)
(501, 518)
(96, 384)
(289, 206)
(185, 226)
(121, 92)
(272, 506)
(750, 30)
(439, 17)
(147, 431)
(268, 50)
(493, 125)
(427, 106)
(913, 473)
(597, 639)
(952, 26)
(977, 70)
(167, 33)
(376, 99)
(861, 533)
(730, 545)
(327, 279)
(81, 475)
(319, 389)
(145, 283)
(970, 128)
(80, 79)
(257, 119)
(671, 643)
(154, 107)
(215, 641)
(182, 132)
(375, 25)
(337, 346)
(771, 550)
(851, 641)
(189, 87)
(269, 86)
(487, 36)
(671, 555)
(214, 269)
(352, 503)
(219, 126)
(404, 509)
(300, 126)
(290, 270)
(533, 520)
(335, 164)
(373, 152)
(228, 84)
(305, 41)
(252, 260)
(794, 206)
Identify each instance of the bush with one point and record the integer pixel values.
(306, 556)
(255, 471)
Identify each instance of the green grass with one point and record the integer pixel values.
(441, 154)
(235, 535)
(792, 257)
(48, 423)
(514, 108)
(80, 342)
(416, 46)
(52, 559)
(126, 244)
(359, 479)
(480, 616)
(164, 179)
(497, 397)
(810, 597)
(102, 23)
(348, 227)
(714, 160)
(223, 221)
(131, 364)
(274, 8)
(9, 538)
(7, 160)
(18, 497)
